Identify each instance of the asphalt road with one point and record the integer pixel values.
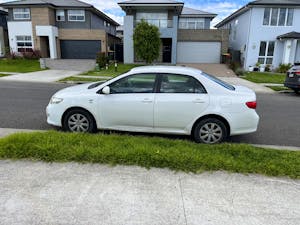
(22, 105)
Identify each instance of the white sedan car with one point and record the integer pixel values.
(158, 99)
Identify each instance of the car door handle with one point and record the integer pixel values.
(147, 100)
(199, 100)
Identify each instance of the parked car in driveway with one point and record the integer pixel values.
(292, 79)
(158, 99)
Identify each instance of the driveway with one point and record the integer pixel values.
(216, 69)
(43, 193)
(44, 76)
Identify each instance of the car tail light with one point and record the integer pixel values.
(251, 105)
(297, 72)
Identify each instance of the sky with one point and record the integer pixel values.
(221, 7)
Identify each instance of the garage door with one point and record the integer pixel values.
(198, 52)
(73, 49)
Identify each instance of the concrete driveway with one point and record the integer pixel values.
(41, 193)
(44, 76)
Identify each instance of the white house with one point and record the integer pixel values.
(265, 31)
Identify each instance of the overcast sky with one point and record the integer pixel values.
(221, 7)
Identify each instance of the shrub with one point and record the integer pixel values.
(239, 71)
(34, 54)
(234, 65)
(101, 59)
(283, 68)
(268, 68)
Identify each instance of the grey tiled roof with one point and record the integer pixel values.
(292, 35)
(69, 3)
(190, 11)
(272, 2)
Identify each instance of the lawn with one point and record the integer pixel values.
(19, 65)
(145, 151)
(258, 77)
(4, 75)
(110, 72)
(278, 88)
(81, 79)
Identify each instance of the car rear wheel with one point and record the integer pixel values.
(210, 131)
(79, 120)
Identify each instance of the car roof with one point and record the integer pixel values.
(166, 69)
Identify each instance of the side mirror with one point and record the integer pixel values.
(106, 90)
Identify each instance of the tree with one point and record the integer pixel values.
(146, 39)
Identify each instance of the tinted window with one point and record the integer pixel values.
(139, 83)
(220, 82)
(173, 83)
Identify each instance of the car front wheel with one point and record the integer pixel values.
(79, 120)
(210, 131)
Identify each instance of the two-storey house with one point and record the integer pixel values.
(265, 32)
(68, 29)
(185, 33)
(3, 32)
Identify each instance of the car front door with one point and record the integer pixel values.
(180, 100)
(129, 106)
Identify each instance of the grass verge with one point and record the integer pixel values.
(258, 77)
(179, 155)
(110, 72)
(4, 75)
(278, 88)
(19, 65)
(81, 79)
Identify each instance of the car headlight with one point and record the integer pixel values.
(55, 100)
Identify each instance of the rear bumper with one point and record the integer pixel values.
(292, 85)
(244, 123)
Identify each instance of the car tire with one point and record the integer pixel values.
(210, 131)
(297, 91)
(79, 120)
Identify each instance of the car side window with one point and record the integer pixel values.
(138, 83)
(174, 83)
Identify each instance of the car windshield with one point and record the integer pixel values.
(218, 81)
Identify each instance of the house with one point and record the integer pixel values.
(68, 29)
(265, 31)
(3, 32)
(185, 33)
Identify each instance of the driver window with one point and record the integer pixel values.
(138, 83)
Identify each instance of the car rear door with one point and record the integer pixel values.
(129, 106)
(180, 100)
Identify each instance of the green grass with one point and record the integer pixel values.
(278, 88)
(178, 155)
(110, 72)
(4, 75)
(80, 79)
(258, 77)
(19, 65)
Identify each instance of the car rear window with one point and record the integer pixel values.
(218, 81)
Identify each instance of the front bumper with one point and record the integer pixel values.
(54, 115)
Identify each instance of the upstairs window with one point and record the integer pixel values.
(21, 13)
(76, 15)
(278, 17)
(60, 15)
(191, 23)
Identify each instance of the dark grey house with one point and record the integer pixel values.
(67, 29)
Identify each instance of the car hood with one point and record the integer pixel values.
(73, 90)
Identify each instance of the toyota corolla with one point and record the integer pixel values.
(158, 99)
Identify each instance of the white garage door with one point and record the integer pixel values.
(198, 52)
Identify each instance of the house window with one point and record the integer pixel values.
(60, 15)
(76, 15)
(266, 52)
(191, 23)
(21, 14)
(24, 43)
(159, 19)
(278, 17)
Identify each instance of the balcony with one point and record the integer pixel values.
(158, 22)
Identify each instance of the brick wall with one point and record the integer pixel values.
(206, 35)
